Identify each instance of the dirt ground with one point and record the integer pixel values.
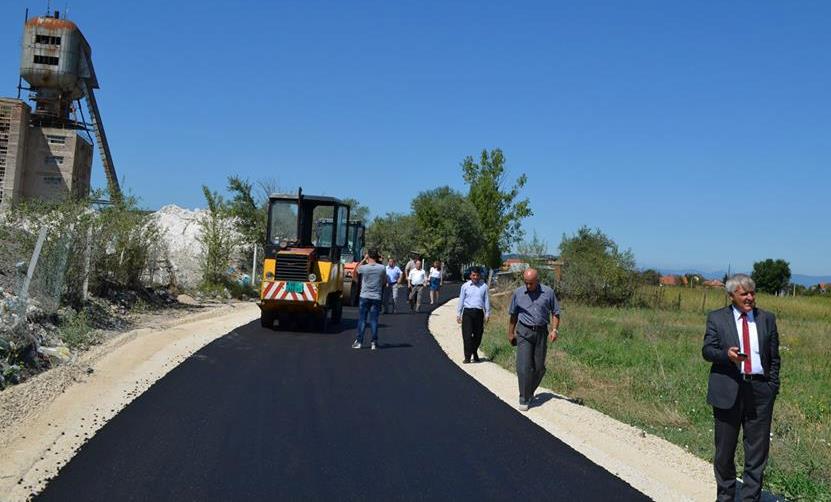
(46, 419)
(654, 466)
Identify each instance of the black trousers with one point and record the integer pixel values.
(473, 324)
(752, 412)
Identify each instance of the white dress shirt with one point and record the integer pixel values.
(753, 352)
(417, 276)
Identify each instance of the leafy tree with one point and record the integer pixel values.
(448, 226)
(771, 276)
(650, 277)
(694, 280)
(595, 271)
(394, 235)
(247, 210)
(218, 239)
(500, 214)
(357, 211)
(535, 253)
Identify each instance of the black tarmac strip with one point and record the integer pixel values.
(284, 415)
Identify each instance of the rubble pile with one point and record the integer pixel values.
(182, 229)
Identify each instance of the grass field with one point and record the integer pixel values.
(643, 366)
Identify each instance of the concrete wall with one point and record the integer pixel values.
(58, 163)
(14, 128)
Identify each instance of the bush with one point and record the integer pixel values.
(219, 240)
(595, 272)
(115, 246)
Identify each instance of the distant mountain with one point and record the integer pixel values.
(801, 279)
(810, 280)
(717, 274)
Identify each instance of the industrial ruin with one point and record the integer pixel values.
(46, 149)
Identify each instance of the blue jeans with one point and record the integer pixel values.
(373, 307)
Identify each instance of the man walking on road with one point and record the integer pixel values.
(416, 281)
(533, 307)
(742, 342)
(391, 292)
(373, 276)
(473, 312)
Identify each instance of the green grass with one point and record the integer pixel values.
(643, 366)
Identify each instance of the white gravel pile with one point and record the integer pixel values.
(182, 229)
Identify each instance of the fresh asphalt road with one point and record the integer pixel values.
(272, 415)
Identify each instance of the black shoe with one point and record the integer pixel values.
(476, 359)
(466, 361)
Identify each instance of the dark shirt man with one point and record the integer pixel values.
(742, 342)
(531, 308)
(473, 312)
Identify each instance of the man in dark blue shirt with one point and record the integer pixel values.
(533, 307)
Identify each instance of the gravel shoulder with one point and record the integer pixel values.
(656, 467)
(46, 419)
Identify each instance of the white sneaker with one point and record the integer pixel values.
(373, 347)
(523, 406)
(356, 344)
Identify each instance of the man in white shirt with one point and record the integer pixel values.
(416, 281)
(742, 343)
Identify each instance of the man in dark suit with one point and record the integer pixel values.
(742, 342)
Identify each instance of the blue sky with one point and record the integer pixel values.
(698, 134)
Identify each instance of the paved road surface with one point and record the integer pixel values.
(270, 415)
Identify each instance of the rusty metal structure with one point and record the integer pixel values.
(56, 63)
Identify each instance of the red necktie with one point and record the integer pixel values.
(748, 368)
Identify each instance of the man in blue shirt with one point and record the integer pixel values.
(533, 307)
(391, 292)
(473, 312)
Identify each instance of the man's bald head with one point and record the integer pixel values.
(531, 278)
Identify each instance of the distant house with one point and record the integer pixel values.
(514, 265)
(517, 263)
(713, 283)
(673, 280)
(824, 287)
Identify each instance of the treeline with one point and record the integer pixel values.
(458, 228)
(442, 224)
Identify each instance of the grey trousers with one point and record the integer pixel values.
(752, 413)
(531, 347)
(415, 296)
(391, 298)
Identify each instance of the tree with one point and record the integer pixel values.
(356, 210)
(535, 253)
(595, 271)
(448, 226)
(650, 277)
(771, 276)
(218, 239)
(394, 235)
(248, 211)
(500, 214)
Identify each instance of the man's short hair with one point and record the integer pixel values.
(476, 270)
(374, 254)
(739, 280)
